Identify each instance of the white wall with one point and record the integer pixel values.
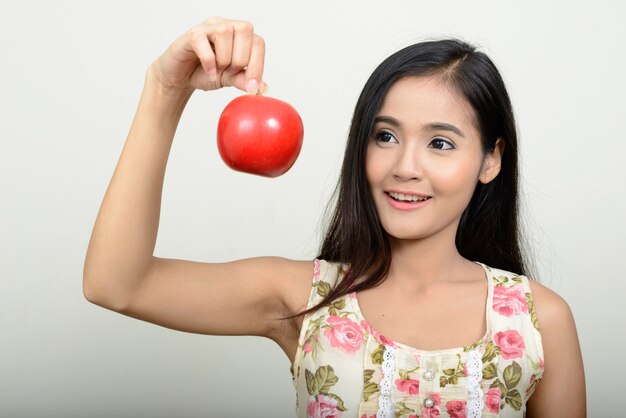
(70, 78)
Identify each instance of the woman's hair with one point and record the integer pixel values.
(488, 230)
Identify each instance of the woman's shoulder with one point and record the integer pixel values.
(299, 280)
(552, 309)
(550, 306)
(555, 318)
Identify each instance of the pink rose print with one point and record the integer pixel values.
(369, 329)
(316, 270)
(431, 412)
(312, 407)
(365, 416)
(509, 301)
(435, 397)
(456, 409)
(434, 411)
(511, 344)
(492, 399)
(412, 387)
(386, 341)
(541, 363)
(344, 334)
(366, 326)
(307, 348)
(322, 406)
(380, 338)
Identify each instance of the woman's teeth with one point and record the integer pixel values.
(407, 197)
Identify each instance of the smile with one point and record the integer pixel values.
(402, 201)
(401, 197)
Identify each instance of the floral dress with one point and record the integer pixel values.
(345, 369)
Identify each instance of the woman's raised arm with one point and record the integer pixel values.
(120, 271)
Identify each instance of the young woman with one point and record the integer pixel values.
(417, 305)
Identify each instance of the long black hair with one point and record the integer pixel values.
(489, 229)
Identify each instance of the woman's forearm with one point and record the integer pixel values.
(122, 243)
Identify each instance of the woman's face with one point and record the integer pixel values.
(425, 145)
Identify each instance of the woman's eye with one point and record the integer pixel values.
(442, 144)
(385, 137)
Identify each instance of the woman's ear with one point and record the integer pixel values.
(491, 165)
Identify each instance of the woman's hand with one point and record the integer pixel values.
(215, 54)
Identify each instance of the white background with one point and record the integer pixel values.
(70, 80)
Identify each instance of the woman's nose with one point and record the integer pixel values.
(408, 165)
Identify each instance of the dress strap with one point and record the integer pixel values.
(325, 276)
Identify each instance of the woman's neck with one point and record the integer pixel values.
(419, 263)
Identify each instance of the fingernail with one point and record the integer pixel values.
(264, 87)
(213, 75)
(252, 86)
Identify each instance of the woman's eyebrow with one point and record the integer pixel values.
(433, 126)
(388, 119)
(442, 126)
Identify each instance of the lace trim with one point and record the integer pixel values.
(385, 404)
(475, 395)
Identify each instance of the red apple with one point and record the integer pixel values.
(259, 135)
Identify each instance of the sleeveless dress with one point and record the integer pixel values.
(345, 369)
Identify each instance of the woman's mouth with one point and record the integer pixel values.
(406, 201)
(402, 197)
